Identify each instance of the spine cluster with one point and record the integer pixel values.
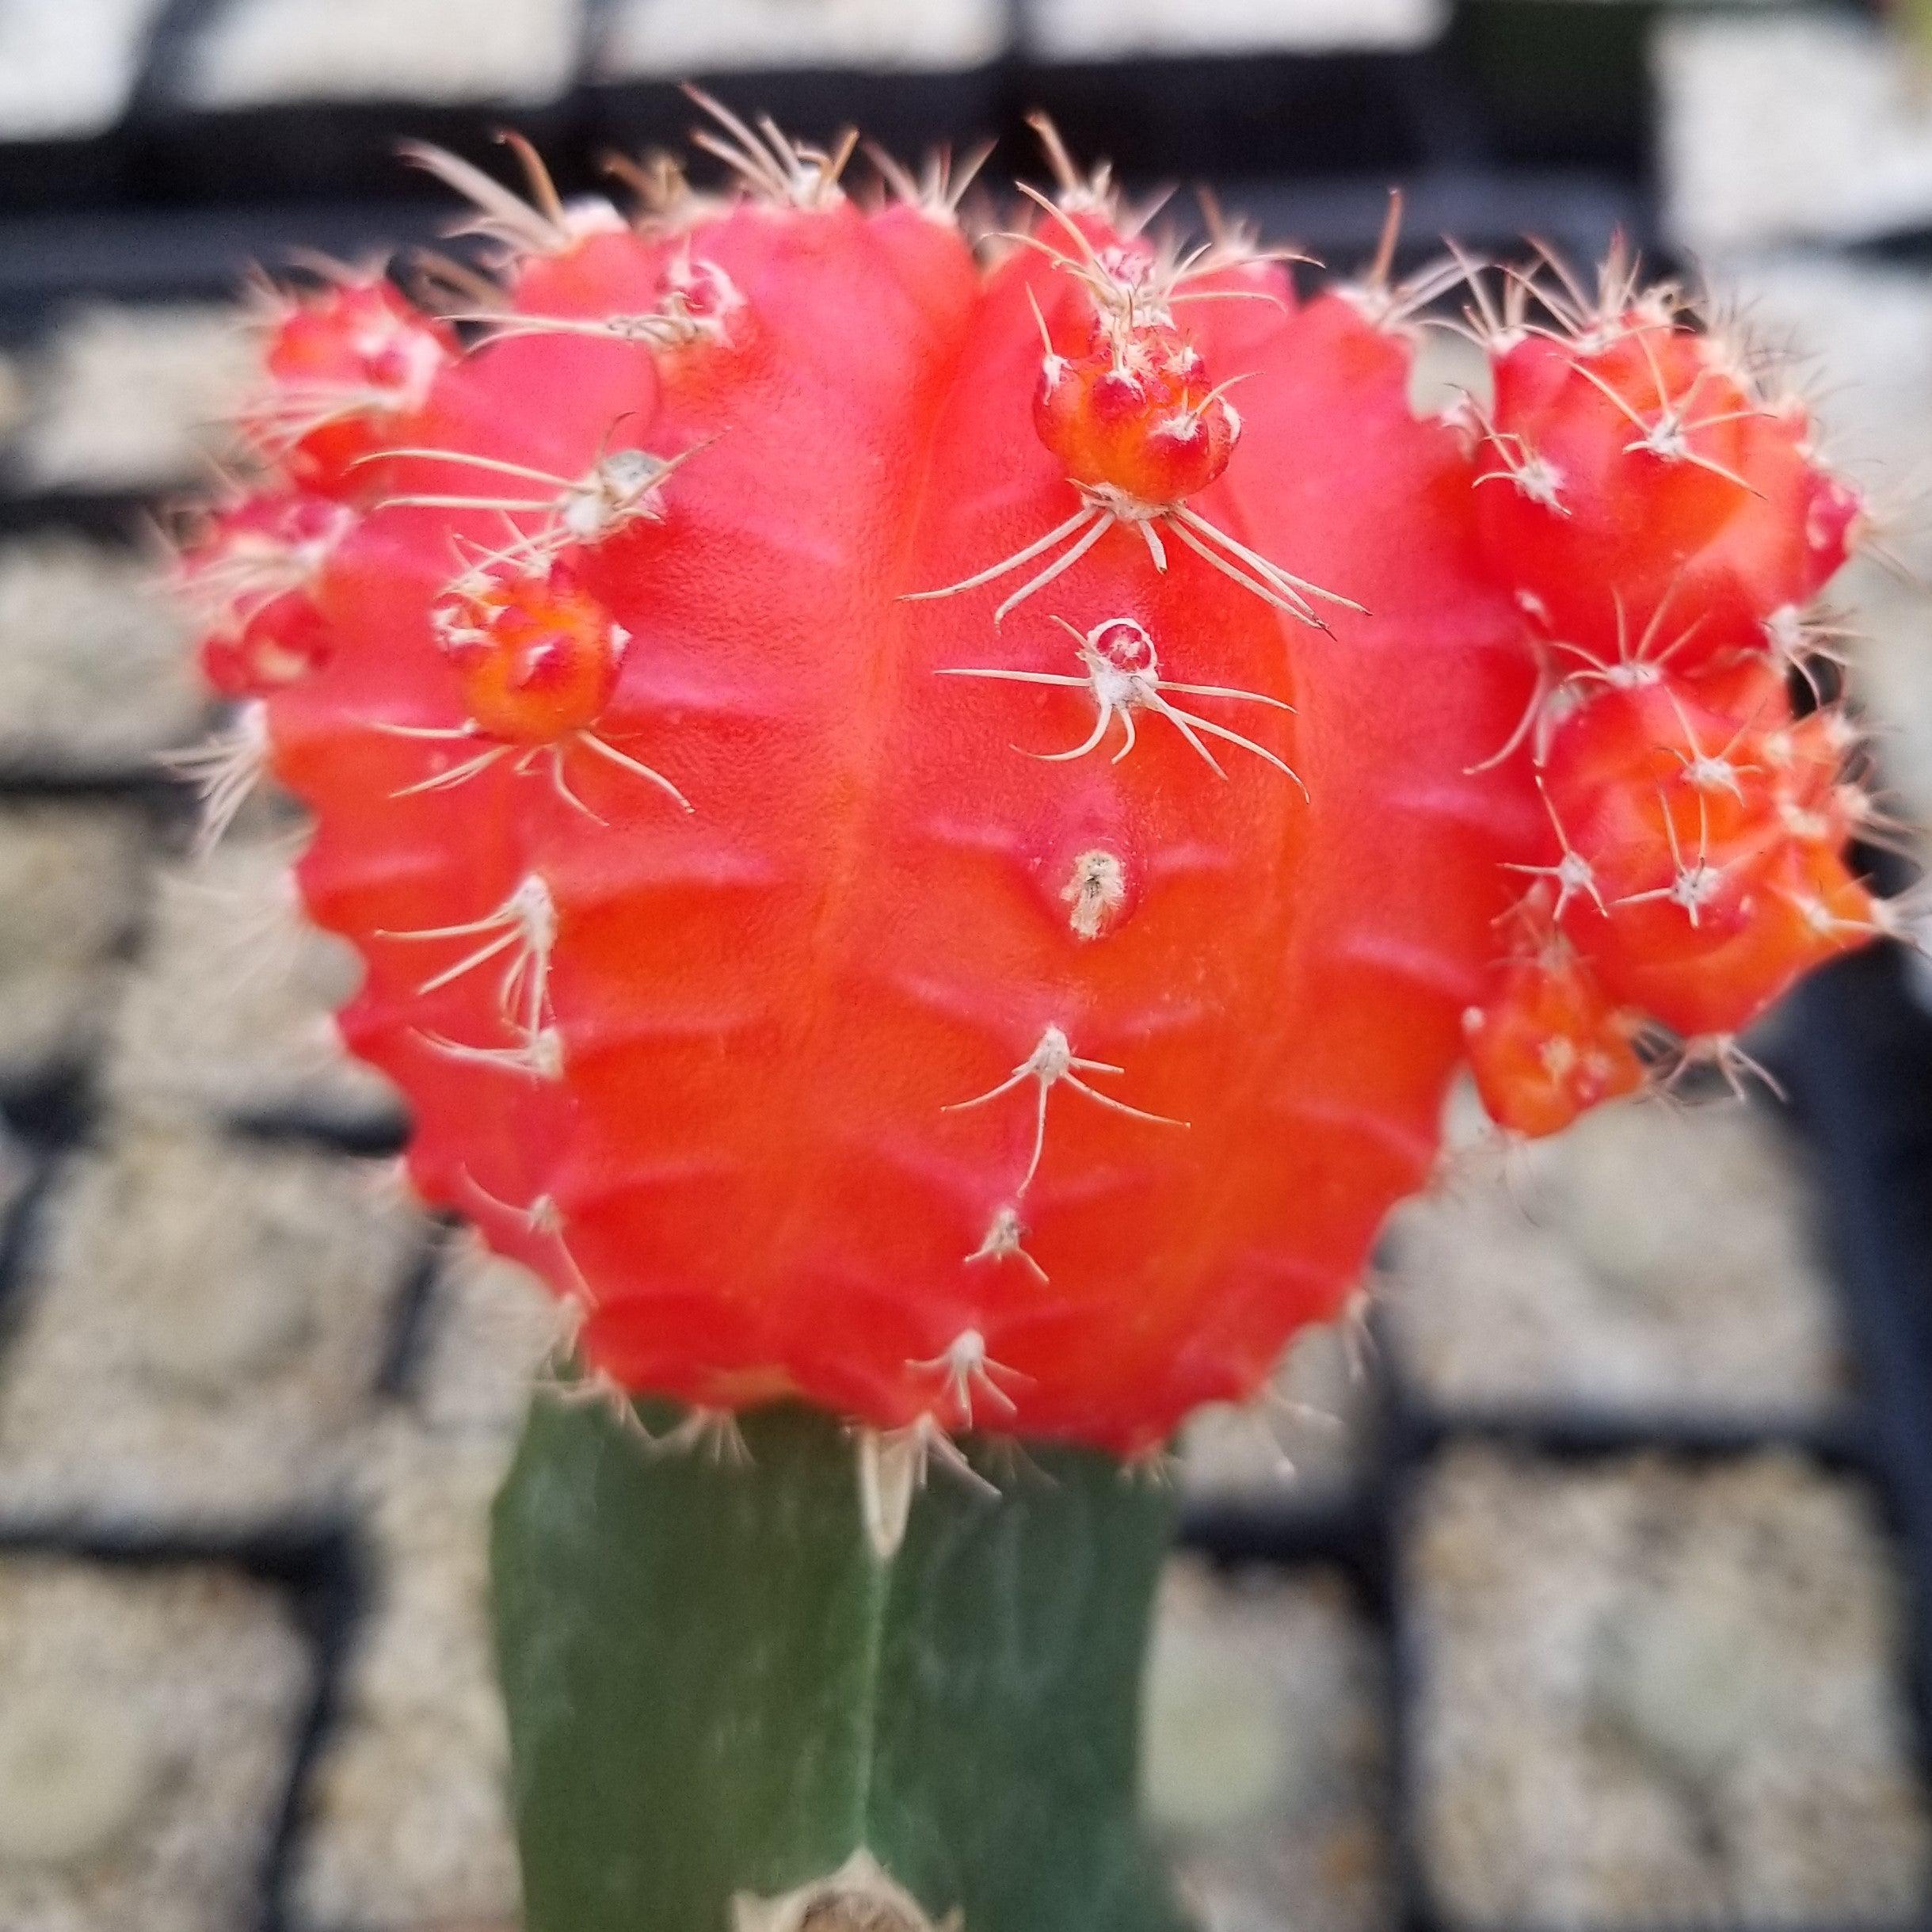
(1652, 497)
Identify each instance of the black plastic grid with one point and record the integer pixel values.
(1527, 118)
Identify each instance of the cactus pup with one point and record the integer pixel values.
(928, 823)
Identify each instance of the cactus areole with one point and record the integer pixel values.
(929, 823)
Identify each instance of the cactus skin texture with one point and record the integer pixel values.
(964, 1713)
(929, 830)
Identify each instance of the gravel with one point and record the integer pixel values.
(228, 1014)
(1654, 1694)
(1809, 125)
(1116, 29)
(1548, 1287)
(72, 881)
(95, 679)
(1894, 653)
(490, 1326)
(131, 398)
(1266, 1758)
(670, 39)
(407, 1819)
(204, 1323)
(256, 53)
(1303, 1443)
(147, 1720)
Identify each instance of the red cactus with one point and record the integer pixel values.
(250, 570)
(1646, 487)
(1546, 1044)
(348, 370)
(948, 876)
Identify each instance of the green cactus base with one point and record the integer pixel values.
(721, 1694)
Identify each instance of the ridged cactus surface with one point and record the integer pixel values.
(929, 829)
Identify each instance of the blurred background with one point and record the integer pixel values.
(1588, 1583)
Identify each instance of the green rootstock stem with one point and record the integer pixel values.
(719, 1692)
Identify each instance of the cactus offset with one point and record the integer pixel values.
(927, 840)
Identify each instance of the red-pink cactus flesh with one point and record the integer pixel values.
(909, 855)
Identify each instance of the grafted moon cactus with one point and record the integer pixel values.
(928, 828)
